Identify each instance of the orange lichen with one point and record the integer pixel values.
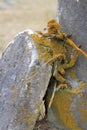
(53, 51)
(55, 47)
(55, 32)
(53, 27)
(63, 86)
(83, 114)
(70, 42)
(60, 70)
(59, 78)
(79, 89)
(61, 106)
(69, 65)
(71, 73)
(12, 87)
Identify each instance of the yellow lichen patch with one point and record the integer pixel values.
(48, 48)
(63, 86)
(71, 73)
(53, 27)
(60, 78)
(71, 63)
(53, 23)
(54, 51)
(83, 108)
(77, 90)
(80, 89)
(44, 51)
(83, 114)
(62, 102)
(54, 32)
(82, 102)
(69, 41)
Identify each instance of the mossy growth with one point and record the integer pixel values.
(56, 48)
(55, 45)
(53, 48)
(61, 105)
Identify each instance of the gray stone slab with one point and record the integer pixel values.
(72, 15)
(22, 84)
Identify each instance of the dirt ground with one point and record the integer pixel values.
(18, 15)
(45, 125)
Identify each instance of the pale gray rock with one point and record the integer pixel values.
(72, 16)
(23, 84)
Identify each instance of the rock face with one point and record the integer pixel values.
(70, 109)
(73, 19)
(23, 84)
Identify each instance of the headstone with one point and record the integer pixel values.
(72, 16)
(23, 84)
(70, 109)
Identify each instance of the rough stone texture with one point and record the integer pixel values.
(73, 19)
(23, 83)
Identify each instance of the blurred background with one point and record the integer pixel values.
(18, 15)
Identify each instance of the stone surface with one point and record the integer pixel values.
(68, 108)
(73, 19)
(23, 84)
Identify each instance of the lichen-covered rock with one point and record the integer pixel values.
(23, 84)
(73, 19)
(69, 108)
